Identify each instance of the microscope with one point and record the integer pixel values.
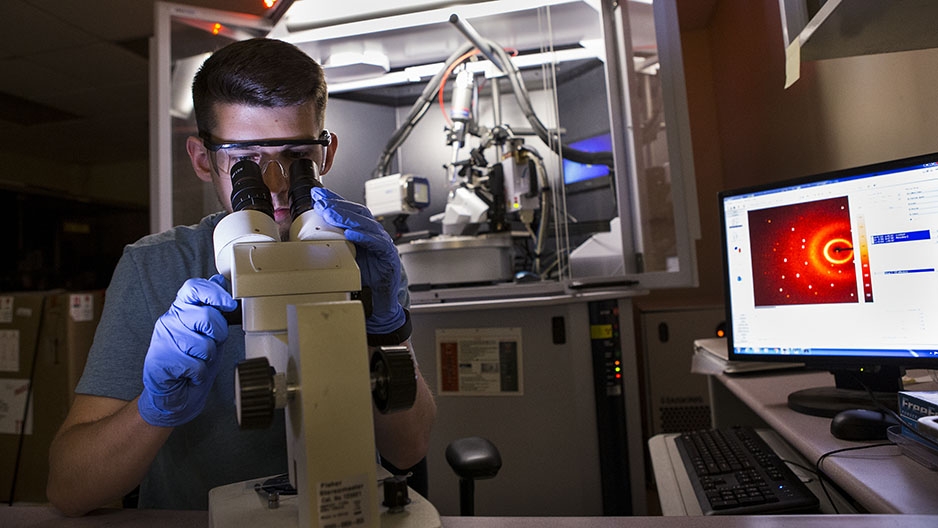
(306, 352)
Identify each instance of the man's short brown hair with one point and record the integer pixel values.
(257, 72)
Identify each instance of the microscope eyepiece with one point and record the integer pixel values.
(303, 177)
(248, 190)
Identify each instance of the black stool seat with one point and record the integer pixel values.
(472, 458)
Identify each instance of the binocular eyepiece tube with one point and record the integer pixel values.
(303, 177)
(249, 192)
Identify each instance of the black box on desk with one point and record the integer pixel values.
(45, 336)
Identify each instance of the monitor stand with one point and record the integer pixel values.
(851, 391)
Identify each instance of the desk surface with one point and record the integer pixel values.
(36, 517)
(881, 479)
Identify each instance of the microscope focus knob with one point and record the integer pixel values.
(254, 393)
(394, 379)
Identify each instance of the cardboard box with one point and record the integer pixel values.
(44, 337)
(914, 405)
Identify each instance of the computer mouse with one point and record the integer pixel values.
(861, 424)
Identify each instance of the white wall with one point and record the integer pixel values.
(878, 107)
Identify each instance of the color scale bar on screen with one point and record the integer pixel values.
(865, 260)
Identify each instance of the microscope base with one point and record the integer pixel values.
(239, 504)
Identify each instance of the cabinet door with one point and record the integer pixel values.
(657, 193)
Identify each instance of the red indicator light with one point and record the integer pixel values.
(216, 29)
(618, 376)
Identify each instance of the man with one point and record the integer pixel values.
(155, 405)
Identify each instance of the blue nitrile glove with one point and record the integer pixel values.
(182, 361)
(375, 254)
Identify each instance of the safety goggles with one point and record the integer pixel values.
(263, 152)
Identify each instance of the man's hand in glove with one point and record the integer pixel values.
(182, 361)
(375, 255)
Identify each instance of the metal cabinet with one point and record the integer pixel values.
(675, 400)
(568, 426)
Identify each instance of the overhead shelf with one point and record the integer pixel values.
(847, 28)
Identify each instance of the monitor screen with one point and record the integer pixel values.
(837, 270)
(574, 172)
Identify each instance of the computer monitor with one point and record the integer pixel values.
(836, 271)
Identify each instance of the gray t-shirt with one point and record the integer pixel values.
(211, 450)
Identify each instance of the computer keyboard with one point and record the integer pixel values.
(734, 472)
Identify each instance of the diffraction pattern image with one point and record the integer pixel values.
(803, 254)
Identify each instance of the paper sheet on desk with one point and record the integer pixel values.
(704, 363)
(711, 357)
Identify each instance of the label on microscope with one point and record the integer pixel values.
(343, 502)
